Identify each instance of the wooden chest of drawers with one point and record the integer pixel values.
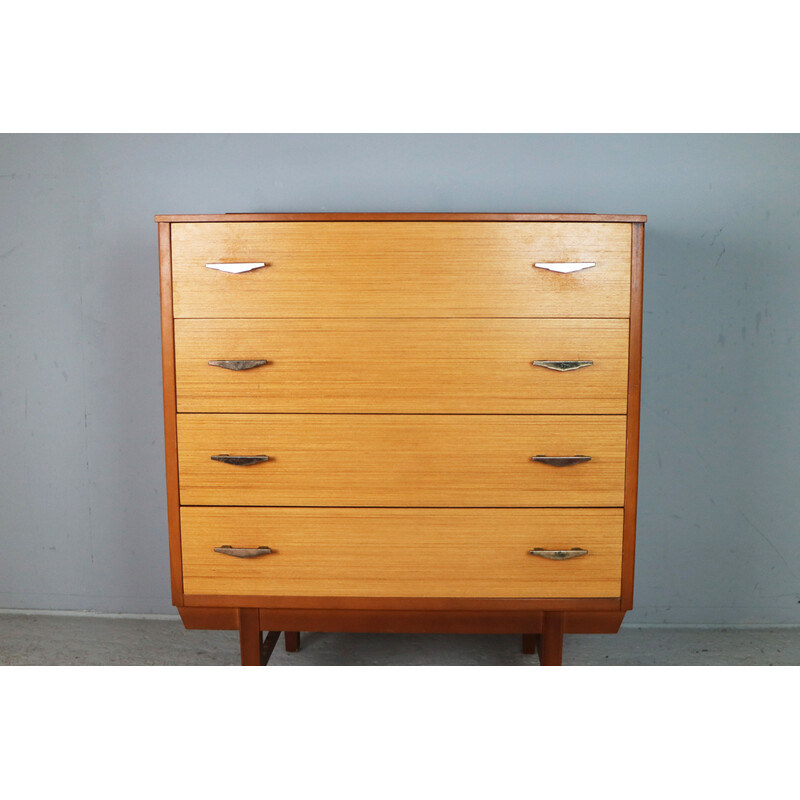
(402, 422)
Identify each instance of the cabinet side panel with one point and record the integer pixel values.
(634, 395)
(170, 411)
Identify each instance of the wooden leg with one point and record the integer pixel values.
(529, 643)
(292, 641)
(250, 637)
(269, 645)
(551, 641)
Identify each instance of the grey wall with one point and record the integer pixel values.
(82, 502)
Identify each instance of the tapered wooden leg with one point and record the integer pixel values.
(268, 645)
(529, 643)
(551, 642)
(250, 637)
(292, 641)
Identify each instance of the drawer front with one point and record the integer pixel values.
(409, 269)
(401, 460)
(402, 552)
(413, 365)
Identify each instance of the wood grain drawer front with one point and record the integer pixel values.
(401, 460)
(411, 366)
(409, 269)
(402, 552)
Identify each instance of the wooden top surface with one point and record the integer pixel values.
(400, 217)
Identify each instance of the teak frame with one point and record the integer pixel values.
(541, 622)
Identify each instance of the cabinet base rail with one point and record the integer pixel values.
(543, 634)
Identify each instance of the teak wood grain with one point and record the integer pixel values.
(403, 366)
(401, 460)
(634, 400)
(405, 269)
(408, 621)
(392, 605)
(170, 410)
(400, 392)
(402, 552)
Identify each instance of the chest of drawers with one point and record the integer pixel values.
(401, 423)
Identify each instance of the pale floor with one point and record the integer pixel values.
(44, 639)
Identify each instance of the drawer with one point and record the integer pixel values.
(407, 269)
(392, 365)
(401, 460)
(402, 552)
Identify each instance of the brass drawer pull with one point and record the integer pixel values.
(243, 552)
(564, 266)
(558, 555)
(561, 366)
(239, 461)
(238, 365)
(561, 461)
(237, 267)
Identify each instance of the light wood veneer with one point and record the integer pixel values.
(400, 269)
(401, 460)
(395, 552)
(400, 409)
(402, 366)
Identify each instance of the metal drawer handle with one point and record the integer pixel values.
(239, 461)
(237, 267)
(243, 552)
(564, 266)
(238, 365)
(558, 555)
(561, 461)
(562, 366)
